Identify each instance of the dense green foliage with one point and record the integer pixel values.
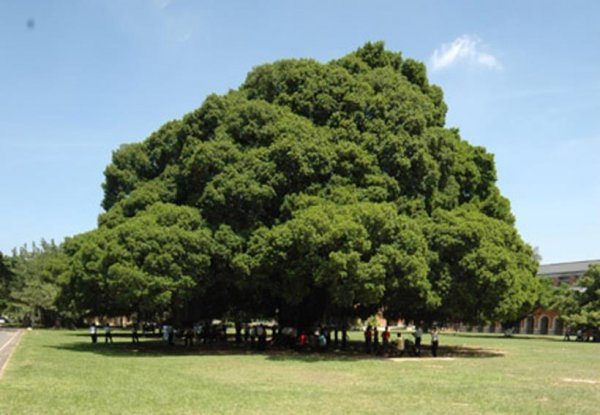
(6, 277)
(156, 259)
(579, 305)
(589, 298)
(31, 284)
(313, 191)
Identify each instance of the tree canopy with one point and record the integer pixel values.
(6, 278)
(313, 191)
(579, 305)
(30, 283)
(589, 298)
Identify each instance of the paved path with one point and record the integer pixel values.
(9, 338)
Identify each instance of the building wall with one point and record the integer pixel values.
(547, 321)
(542, 322)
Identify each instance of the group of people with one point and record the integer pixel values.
(255, 335)
(107, 333)
(580, 335)
(318, 339)
(400, 346)
(108, 338)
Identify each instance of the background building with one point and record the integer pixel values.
(548, 321)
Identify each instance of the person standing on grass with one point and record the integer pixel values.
(261, 333)
(385, 337)
(302, 341)
(188, 337)
(246, 333)
(418, 336)
(94, 333)
(238, 332)
(170, 336)
(253, 336)
(399, 344)
(322, 341)
(134, 334)
(344, 335)
(165, 332)
(435, 340)
(368, 336)
(107, 333)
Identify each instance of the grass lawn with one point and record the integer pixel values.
(60, 372)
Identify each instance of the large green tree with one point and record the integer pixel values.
(318, 190)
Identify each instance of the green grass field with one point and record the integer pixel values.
(60, 372)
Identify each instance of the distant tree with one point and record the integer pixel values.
(6, 278)
(587, 299)
(564, 300)
(34, 287)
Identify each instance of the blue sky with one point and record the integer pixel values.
(77, 79)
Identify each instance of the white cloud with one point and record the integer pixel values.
(464, 48)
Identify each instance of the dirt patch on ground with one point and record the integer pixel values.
(464, 351)
(588, 381)
(451, 353)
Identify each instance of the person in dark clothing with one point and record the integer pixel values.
(108, 333)
(435, 340)
(368, 337)
(134, 334)
(246, 332)
(567, 336)
(344, 335)
(261, 333)
(418, 336)
(238, 332)
(274, 333)
(188, 337)
(170, 336)
(253, 330)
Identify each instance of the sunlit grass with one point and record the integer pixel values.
(58, 372)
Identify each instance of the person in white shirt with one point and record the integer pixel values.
(94, 332)
(261, 333)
